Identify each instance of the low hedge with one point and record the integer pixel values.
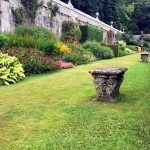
(91, 33)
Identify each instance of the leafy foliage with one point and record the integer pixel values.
(35, 32)
(11, 70)
(133, 48)
(91, 33)
(35, 37)
(70, 32)
(19, 15)
(30, 9)
(119, 37)
(141, 17)
(132, 15)
(99, 51)
(79, 49)
(76, 58)
(115, 49)
(4, 40)
(123, 53)
(54, 9)
(34, 62)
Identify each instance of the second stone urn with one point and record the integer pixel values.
(107, 82)
(144, 57)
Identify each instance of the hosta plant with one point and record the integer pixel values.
(11, 70)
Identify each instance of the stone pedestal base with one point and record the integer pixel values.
(107, 82)
(144, 57)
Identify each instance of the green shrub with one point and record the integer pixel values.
(36, 32)
(34, 37)
(77, 33)
(22, 41)
(47, 46)
(11, 70)
(91, 33)
(79, 48)
(34, 62)
(122, 47)
(70, 32)
(118, 37)
(134, 42)
(71, 36)
(127, 38)
(76, 58)
(100, 52)
(123, 53)
(68, 26)
(146, 37)
(50, 48)
(93, 47)
(115, 49)
(4, 40)
(146, 44)
(133, 48)
(107, 52)
(129, 51)
(76, 47)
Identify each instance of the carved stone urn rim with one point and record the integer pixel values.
(144, 53)
(108, 71)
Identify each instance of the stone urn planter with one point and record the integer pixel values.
(144, 57)
(107, 82)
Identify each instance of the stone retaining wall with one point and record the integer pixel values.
(66, 12)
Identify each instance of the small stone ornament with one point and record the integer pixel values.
(107, 82)
(144, 57)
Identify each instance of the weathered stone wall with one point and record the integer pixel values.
(5, 17)
(66, 12)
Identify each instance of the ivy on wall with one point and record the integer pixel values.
(31, 7)
(18, 15)
(28, 12)
(54, 9)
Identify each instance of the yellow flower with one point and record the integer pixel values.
(63, 48)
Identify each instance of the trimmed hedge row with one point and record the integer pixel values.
(91, 33)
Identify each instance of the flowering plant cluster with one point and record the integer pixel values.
(63, 48)
(34, 62)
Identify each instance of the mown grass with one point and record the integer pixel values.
(58, 111)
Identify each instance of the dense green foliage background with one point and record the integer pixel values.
(132, 15)
(91, 33)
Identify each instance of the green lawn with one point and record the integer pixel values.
(57, 111)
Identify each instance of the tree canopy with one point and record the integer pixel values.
(131, 15)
